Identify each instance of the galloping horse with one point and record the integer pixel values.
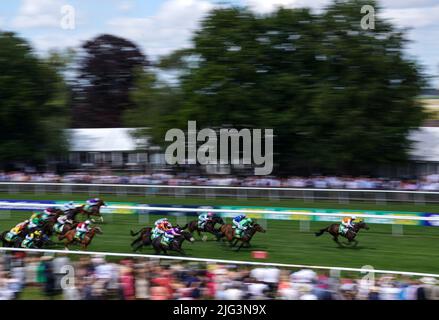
(228, 231)
(175, 244)
(47, 226)
(72, 213)
(16, 240)
(334, 228)
(208, 227)
(66, 227)
(94, 210)
(86, 240)
(144, 239)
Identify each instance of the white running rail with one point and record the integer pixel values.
(209, 187)
(17, 205)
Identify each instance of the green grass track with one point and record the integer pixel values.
(417, 250)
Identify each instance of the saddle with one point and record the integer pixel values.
(165, 242)
(344, 230)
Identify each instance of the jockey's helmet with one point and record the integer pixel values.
(354, 217)
(37, 233)
(87, 222)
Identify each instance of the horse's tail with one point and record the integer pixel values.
(322, 231)
(185, 226)
(135, 233)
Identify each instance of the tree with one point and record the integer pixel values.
(106, 73)
(32, 105)
(339, 98)
(155, 103)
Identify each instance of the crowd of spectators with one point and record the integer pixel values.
(95, 278)
(425, 183)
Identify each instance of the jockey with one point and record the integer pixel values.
(160, 227)
(29, 239)
(22, 225)
(60, 222)
(47, 213)
(160, 221)
(82, 229)
(237, 220)
(170, 234)
(91, 203)
(15, 231)
(204, 218)
(243, 225)
(347, 223)
(35, 220)
(68, 206)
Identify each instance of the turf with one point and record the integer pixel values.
(358, 205)
(415, 251)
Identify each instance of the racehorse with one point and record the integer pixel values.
(144, 239)
(334, 228)
(209, 227)
(37, 243)
(228, 231)
(86, 240)
(66, 227)
(47, 225)
(94, 210)
(16, 241)
(175, 244)
(72, 213)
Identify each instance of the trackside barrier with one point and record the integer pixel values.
(237, 262)
(270, 193)
(17, 205)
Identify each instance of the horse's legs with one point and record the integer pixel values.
(335, 238)
(138, 246)
(354, 241)
(240, 246)
(136, 241)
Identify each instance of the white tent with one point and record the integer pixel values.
(426, 144)
(104, 140)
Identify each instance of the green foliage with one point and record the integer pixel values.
(32, 105)
(339, 98)
(106, 75)
(155, 106)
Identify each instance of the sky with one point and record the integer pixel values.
(161, 26)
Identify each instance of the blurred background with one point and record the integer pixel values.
(36, 277)
(89, 90)
(93, 89)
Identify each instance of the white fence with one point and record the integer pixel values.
(221, 261)
(394, 220)
(18, 205)
(271, 193)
